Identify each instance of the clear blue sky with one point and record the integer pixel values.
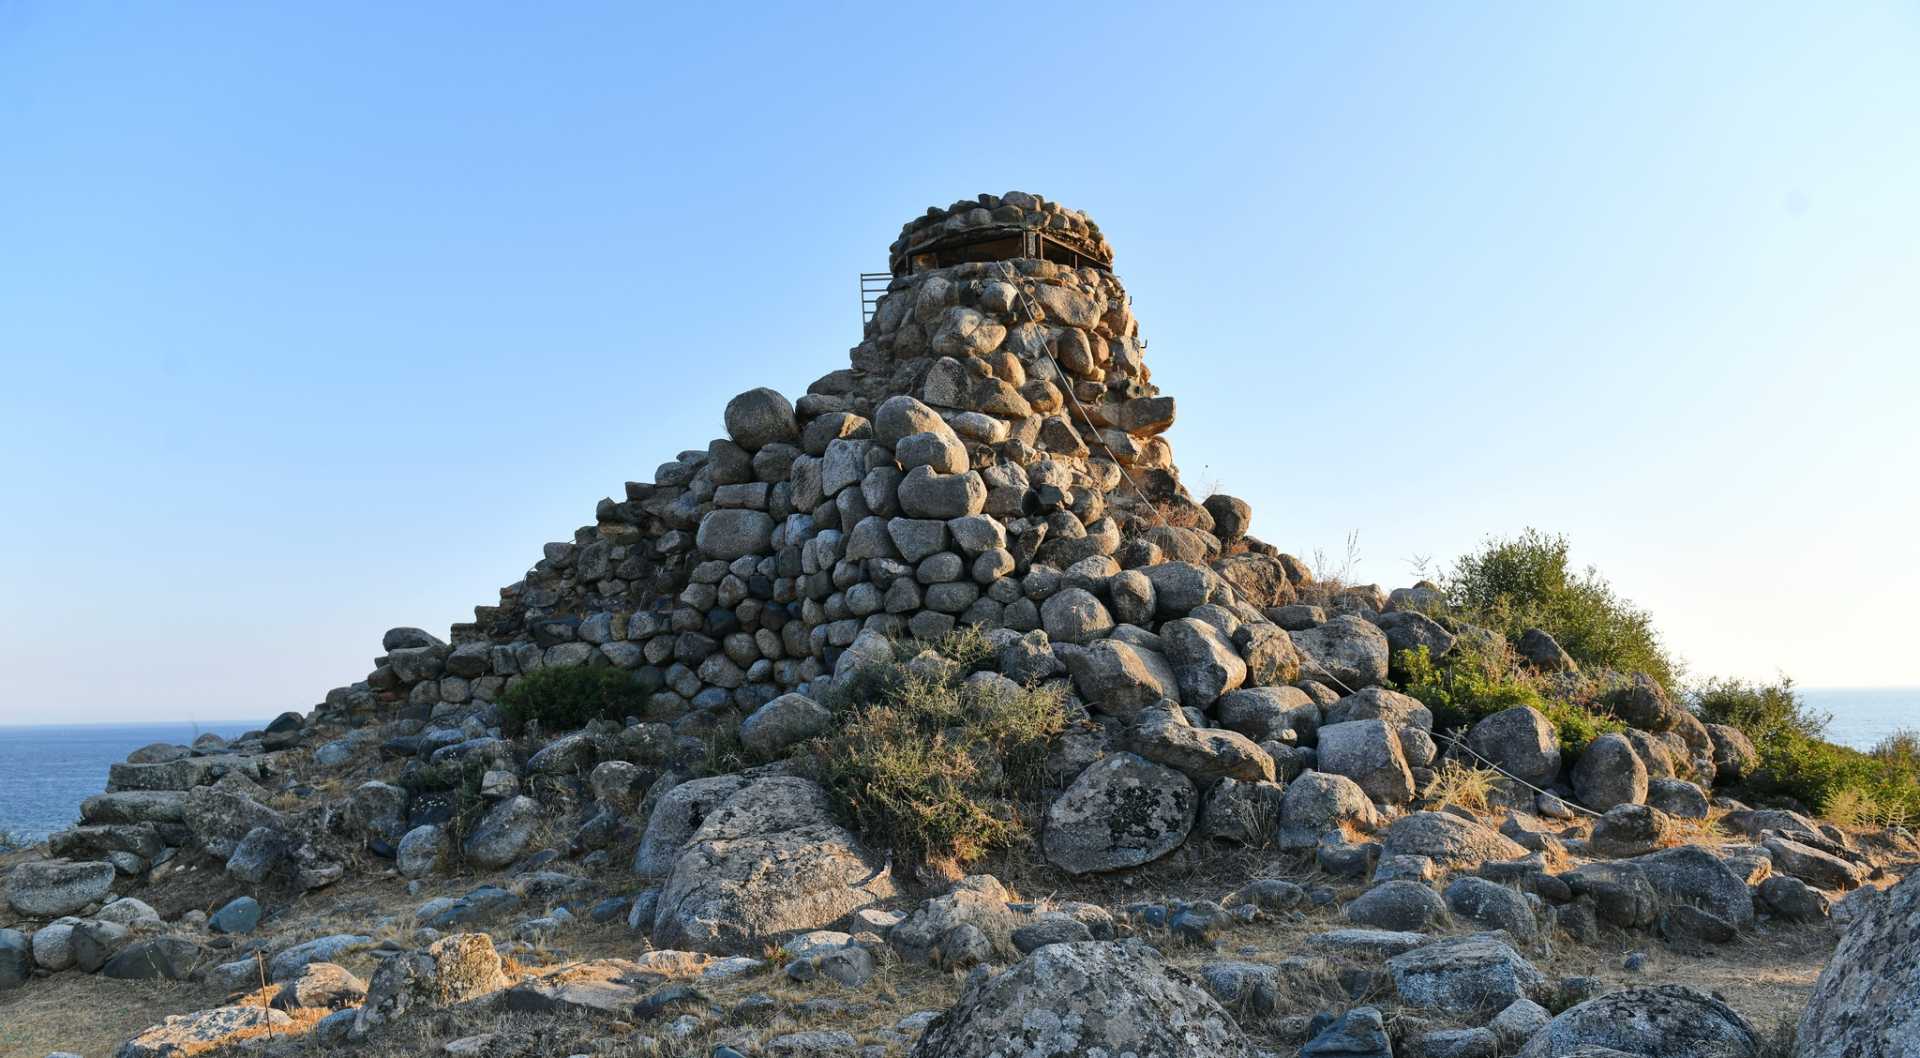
(317, 319)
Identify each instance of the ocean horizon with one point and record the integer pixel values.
(46, 770)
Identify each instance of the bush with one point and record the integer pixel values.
(566, 699)
(1467, 686)
(1878, 788)
(1525, 582)
(933, 769)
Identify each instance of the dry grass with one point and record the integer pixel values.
(88, 1014)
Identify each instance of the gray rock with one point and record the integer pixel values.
(1789, 898)
(202, 1031)
(1120, 679)
(258, 855)
(1491, 906)
(1667, 1021)
(1448, 840)
(925, 493)
(51, 888)
(1863, 1003)
(676, 817)
(1087, 998)
(1628, 830)
(760, 417)
(1162, 734)
(978, 902)
(1205, 663)
(422, 850)
(1121, 812)
(1453, 1043)
(1522, 741)
(1814, 866)
(239, 915)
(1619, 892)
(159, 958)
(321, 986)
(769, 860)
(451, 970)
(1480, 974)
(1318, 802)
(1244, 812)
(1609, 773)
(286, 965)
(1075, 615)
(1517, 1024)
(1411, 630)
(1360, 1033)
(1689, 874)
(1677, 797)
(1347, 648)
(1368, 752)
(504, 833)
(782, 723)
(730, 533)
(1398, 906)
(1734, 755)
(16, 959)
(1180, 587)
(1544, 652)
(220, 818)
(1262, 713)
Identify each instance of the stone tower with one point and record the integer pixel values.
(996, 430)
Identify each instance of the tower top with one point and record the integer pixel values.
(999, 228)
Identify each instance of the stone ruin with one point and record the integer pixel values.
(994, 455)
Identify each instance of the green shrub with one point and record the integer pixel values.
(1511, 585)
(565, 699)
(1466, 686)
(933, 769)
(1797, 762)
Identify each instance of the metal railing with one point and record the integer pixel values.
(872, 285)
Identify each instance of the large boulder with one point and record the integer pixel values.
(51, 888)
(1369, 753)
(504, 832)
(779, 724)
(1121, 812)
(1689, 874)
(1120, 679)
(1400, 905)
(1085, 998)
(1816, 867)
(451, 970)
(202, 1031)
(676, 817)
(769, 860)
(1448, 840)
(1864, 1002)
(1734, 755)
(1347, 648)
(1619, 892)
(1261, 713)
(760, 417)
(734, 532)
(16, 959)
(1317, 803)
(1520, 740)
(1666, 1021)
(1480, 974)
(1205, 663)
(1609, 773)
(1163, 735)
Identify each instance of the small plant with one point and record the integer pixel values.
(1467, 686)
(933, 768)
(1511, 585)
(1463, 786)
(1797, 764)
(565, 699)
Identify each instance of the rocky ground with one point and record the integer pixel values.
(1241, 839)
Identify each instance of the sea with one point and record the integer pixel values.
(47, 770)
